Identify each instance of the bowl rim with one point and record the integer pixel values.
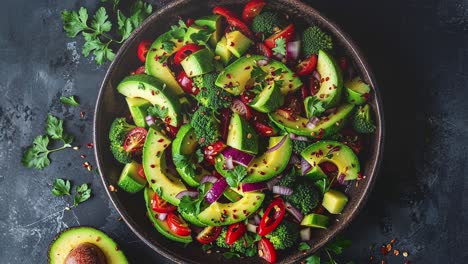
(365, 70)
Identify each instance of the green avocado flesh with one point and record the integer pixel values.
(331, 85)
(129, 180)
(265, 166)
(69, 239)
(214, 23)
(162, 226)
(237, 43)
(334, 201)
(241, 135)
(186, 144)
(138, 109)
(327, 126)
(269, 99)
(316, 220)
(236, 75)
(335, 152)
(356, 91)
(154, 164)
(150, 89)
(222, 51)
(198, 63)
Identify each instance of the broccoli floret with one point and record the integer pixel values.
(210, 95)
(314, 39)
(304, 197)
(284, 236)
(288, 180)
(241, 246)
(205, 125)
(362, 120)
(299, 146)
(117, 134)
(266, 22)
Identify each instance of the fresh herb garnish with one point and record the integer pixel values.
(36, 155)
(201, 37)
(236, 175)
(230, 255)
(69, 101)
(280, 46)
(258, 74)
(159, 191)
(303, 246)
(191, 206)
(97, 31)
(334, 248)
(83, 193)
(168, 46)
(314, 107)
(207, 247)
(61, 187)
(157, 111)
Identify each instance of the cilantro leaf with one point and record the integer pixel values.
(258, 74)
(83, 193)
(100, 22)
(313, 106)
(230, 255)
(304, 246)
(75, 22)
(168, 46)
(236, 175)
(314, 259)
(61, 187)
(69, 101)
(54, 127)
(157, 111)
(338, 245)
(201, 37)
(280, 46)
(207, 247)
(199, 155)
(190, 206)
(36, 156)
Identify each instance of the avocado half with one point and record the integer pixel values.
(70, 238)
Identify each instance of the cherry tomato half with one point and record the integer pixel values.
(272, 217)
(177, 225)
(233, 20)
(307, 66)
(209, 234)
(186, 50)
(241, 108)
(141, 172)
(186, 83)
(160, 205)
(287, 34)
(264, 129)
(264, 50)
(252, 9)
(135, 140)
(143, 48)
(212, 150)
(266, 250)
(139, 70)
(235, 232)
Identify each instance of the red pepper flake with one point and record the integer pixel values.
(156, 58)
(152, 93)
(153, 181)
(384, 251)
(82, 114)
(327, 79)
(160, 140)
(83, 156)
(90, 145)
(112, 188)
(247, 68)
(234, 216)
(262, 172)
(153, 166)
(158, 153)
(232, 44)
(229, 76)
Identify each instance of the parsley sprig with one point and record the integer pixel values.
(280, 46)
(314, 107)
(62, 187)
(37, 155)
(83, 193)
(187, 162)
(331, 251)
(71, 101)
(236, 175)
(97, 31)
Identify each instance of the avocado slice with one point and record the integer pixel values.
(265, 166)
(241, 135)
(220, 214)
(198, 63)
(186, 143)
(237, 43)
(237, 75)
(331, 85)
(222, 51)
(156, 67)
(154, 91)
(356, 91)
(316, 220)
(162, 226)
(269, 99)
(73, 237)
(327, 126)
(129, 180)
(335, 152)
(138, 109)
(334, 201)
(154, 165)
(213, 22)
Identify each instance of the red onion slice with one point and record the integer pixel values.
(313, 122)
(216, 191)
(229, 164)
(257, 219)
(305, 234)
(293, 49)
(208, 178)
(305, 166)
(253, 187)
(238, 156)
(263, 62)
(316, 75)
(191, 194)
(150, 120)
(298, 138)
(251, 228)
(341, 178)
(277, 146)
(294, 159)
(162, 216)
(330, 111)
(281, 190)
(273, 182)
(294, 212)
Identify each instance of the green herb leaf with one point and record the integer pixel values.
(207, 247)
(323, 184)
(314, 107)
(236, 175)
(199, 155)
(168, 46)
(280, 46)
(230, 255)
(338, 245)
(258, 74)
(201, 37)
(54, 127)
(191, 206)
(61, 187)
(100, 21)
(75, 22)
(159, 191)
(83, 193)
(314, 259)
(304, 246)
(69, 101)
(158, 111)
(36, 156)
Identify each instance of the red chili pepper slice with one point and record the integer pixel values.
(252, 9)
(272, 217)
(264, 129)
(264, 50)
(307, 66)
(287, 33)
(212, 150)
(186, 50)
(266, 250)
(186, 83)
(233, 20)
(209, 234)
(235, 232)
(143, 48)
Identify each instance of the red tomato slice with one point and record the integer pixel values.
(266, 250)
(141, 171)
(252, 9)
(143, 48)
(287, 34)
(264, 50)
(233, 20)
(160, 205)
(242, 109)
(135, 140)
(235, 232)
(177, 225)
(209, 234)
(172, 130)
(139, 70)
(272, 217)
(264, 129)
(186, 50)
(307, 66)
(212, 150)
(187, 83)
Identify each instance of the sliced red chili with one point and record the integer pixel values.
(272, 217)
(235, 232)
(189, 22)
(212, 150)
(233, 20)
(252, 9)
(264, 129)
(266, 250)
(186, 83)
(186, 50)
(143, 48)
(287, 34)
(307, 66)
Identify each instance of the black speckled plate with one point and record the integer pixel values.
(110, 105)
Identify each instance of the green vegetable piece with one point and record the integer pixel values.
(129, 179)
(316, 220)
(267, 22)
(362, 120)
(284, 236)
(334, 201)
(314, 39)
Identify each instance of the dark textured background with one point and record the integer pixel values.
(418, 50)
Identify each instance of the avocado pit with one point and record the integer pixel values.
(86, 253)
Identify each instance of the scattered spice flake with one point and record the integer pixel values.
(83, 156)
(396, 252)
(389, 247)
(90, 145)
(82, 114)
(112, 188)
(405, 254)
(76, 148)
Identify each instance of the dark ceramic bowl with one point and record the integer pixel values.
(110, 105)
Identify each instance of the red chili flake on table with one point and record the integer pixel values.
(83, 156)
(384, 251)
(82, 114)
(90, 145)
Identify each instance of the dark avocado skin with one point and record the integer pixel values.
(86, 253)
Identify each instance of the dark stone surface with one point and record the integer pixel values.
(418, 51)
